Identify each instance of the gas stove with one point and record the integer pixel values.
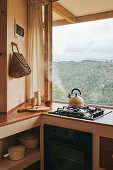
(87, 112)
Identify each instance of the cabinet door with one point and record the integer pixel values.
(106, 153)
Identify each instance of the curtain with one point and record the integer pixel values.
(35, 47)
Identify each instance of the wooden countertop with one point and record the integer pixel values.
(106, 120)
(27, 120)
(14, 116)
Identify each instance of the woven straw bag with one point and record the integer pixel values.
(18, 66)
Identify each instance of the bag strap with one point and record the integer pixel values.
(14, 44)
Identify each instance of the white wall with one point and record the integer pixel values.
(16, 9)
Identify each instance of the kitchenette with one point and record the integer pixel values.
(37, 132)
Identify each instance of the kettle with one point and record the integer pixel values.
(75, 101)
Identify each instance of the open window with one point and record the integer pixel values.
(82, 58)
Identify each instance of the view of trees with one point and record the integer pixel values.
(93, 78)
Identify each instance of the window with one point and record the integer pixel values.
(83, 59)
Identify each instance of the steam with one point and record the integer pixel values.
(57, 81)
(55, 78)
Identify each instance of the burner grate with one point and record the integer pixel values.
(81, 112)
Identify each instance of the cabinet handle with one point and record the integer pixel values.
(0, 54)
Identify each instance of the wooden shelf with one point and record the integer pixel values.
(31, 156)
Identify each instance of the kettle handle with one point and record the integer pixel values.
(74, 90)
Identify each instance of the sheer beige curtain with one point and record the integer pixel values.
(35, 46)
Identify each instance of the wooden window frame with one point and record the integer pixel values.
(85, 18)
(48, 53)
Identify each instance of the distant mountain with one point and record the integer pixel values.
(93, 78)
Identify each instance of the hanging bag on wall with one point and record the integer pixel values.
(18, 66)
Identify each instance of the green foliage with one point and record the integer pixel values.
(93, 78)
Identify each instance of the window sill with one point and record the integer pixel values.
(90, 105)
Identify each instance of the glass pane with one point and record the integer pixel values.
(62, 158)
(83, 59)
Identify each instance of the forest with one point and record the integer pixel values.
(93, 78)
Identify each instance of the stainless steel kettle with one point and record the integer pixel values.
(75, 101)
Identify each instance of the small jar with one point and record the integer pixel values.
(38, 98)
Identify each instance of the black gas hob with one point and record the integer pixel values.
(81, 112)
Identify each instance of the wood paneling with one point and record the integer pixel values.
(48, 53)
(3, 55)
(60, 22)
(86, 18)
(98, 16)
(63, 12)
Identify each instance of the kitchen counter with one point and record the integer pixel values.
(106, 120)
(17, 122)
(97, 128)
(14, 116)
(100, 127)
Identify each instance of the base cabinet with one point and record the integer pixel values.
(31, 161)
(106, 153)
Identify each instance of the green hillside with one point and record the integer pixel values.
(93, 78)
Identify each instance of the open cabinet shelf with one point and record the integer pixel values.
(31, 156)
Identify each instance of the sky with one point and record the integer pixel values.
(83, 41)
